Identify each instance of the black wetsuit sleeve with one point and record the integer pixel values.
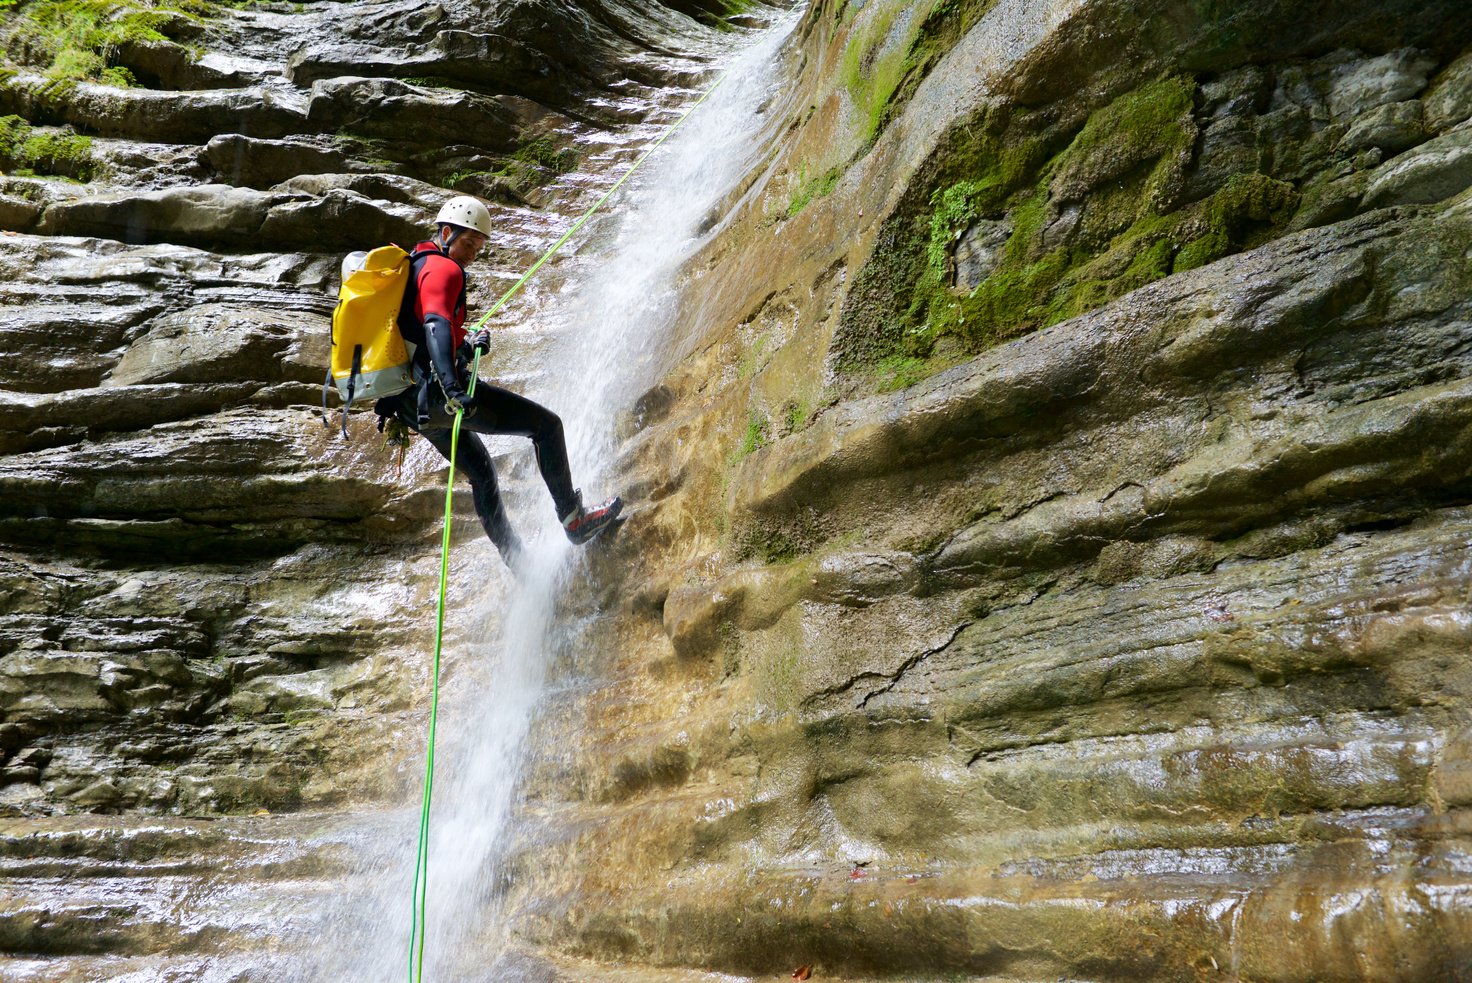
(439, 339)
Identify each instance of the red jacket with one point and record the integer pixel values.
(439, 289)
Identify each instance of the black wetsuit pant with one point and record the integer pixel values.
(496, 412)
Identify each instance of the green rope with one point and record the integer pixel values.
(420, 898)
(596, 205)
(421, 860)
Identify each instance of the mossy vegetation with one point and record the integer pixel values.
(1237, 216)
(535, 163)
(877, 58)
(809, 189)
(731, 9)
(1090, 212)
(892, 48)
(753, 357)
(715, 13)
(28, 152)
(82, 40)
(898, 372)
(1109, 184)
(757, 435)
(774, 542)
(796, 415)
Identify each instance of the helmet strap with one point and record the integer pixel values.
(455, 233)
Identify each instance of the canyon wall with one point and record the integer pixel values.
(1056, 559)
(1048, 543)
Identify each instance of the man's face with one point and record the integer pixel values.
(467, 247)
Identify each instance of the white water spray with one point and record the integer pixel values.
(611, 321)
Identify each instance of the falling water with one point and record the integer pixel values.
(609, 323)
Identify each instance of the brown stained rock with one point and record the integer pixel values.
(1202, 675)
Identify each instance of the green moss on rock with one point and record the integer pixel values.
(875, 61)
(809, 189)
(80, 40)
(1090, 212)
(57, 153)
(1149, 126)
(1244, 209)
(893, 47)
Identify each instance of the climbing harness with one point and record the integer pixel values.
(421, 860)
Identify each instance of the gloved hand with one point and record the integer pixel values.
(457, 402)
(481, 341)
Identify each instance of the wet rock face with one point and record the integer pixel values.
(210, 603)
(1058, 564)
(1051, 554)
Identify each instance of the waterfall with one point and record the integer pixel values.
(609, 322)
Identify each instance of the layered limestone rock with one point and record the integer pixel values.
(1050, 542)
(174, 511)
(1133, 648)
(213, 604)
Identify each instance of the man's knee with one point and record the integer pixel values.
(550, 427)
(480, 474)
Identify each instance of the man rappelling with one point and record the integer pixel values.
(432, 322)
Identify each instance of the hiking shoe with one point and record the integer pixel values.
(581, 524)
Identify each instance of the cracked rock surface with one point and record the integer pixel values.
(1118, 633)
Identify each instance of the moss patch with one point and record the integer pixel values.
(80, 40)
(536, 163)
(810, 188)
(1238, 215)
(771, 541)
(1091, 211)
(795, 415)
(56, 153)
(877, 59)
(714, 13)
(757, 435)
(899, 372)
(893, 47)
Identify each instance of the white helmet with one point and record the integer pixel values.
(466, 213)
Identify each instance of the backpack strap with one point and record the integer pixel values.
(347, 404)
(326, 388)
(327, 382)
(409, 325)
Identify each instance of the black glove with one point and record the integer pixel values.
(481, 341)
(457, 402)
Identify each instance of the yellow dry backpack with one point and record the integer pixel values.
(369, 356)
